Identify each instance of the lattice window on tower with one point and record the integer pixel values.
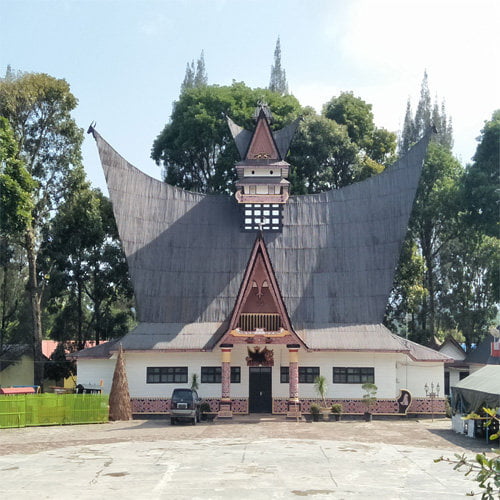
(262, 216)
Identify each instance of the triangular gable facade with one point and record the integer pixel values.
(259, 314)
(262, 145)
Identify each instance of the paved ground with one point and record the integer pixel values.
(249, 457)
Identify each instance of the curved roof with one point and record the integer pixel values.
(334, 260)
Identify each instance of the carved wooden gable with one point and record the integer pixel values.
(259, 315)
(262, 145)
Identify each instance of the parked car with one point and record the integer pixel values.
(185, 405)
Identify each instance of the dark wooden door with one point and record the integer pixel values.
(260, 390)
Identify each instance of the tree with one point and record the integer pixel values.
(355, 114)
(322, 156)
(16, 186)
(426, 116)
(195, 77)
(408, 293)
(469, 297)
(277, 82)
(38, 108)
(89, 285)
(433, 224)
(377, 144)
(482, 180)
(196, 147)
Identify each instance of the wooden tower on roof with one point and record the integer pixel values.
(262, 186)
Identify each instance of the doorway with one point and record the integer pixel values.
(260, 389)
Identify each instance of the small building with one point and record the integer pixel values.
(260, 293)
(456, 370)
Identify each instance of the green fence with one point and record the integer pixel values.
(25, 410)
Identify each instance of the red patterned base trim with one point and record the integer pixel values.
(356, 406)
(162, 405)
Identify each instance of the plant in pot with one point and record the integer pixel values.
(315, 412)
(321, 389)
(369, 399)
(204, 410)
(336, 411)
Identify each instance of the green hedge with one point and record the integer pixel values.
(25, 410)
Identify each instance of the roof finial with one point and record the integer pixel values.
(263, 107)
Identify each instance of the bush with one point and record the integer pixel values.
(337, 408)
(315, 409)
(205, 407)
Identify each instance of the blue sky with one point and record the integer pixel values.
(125, 60)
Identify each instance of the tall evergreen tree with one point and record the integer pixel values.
(200, 76)
(196, 76)
(38, 108)
(435, 217)
(277, 82)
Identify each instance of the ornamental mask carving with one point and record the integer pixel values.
(260, 357)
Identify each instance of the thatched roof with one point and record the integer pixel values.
(334, 260)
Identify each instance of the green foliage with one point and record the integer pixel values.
(321, 387)
(322, 156)
(205, 407)
(88, 279)
(16, 185)
(486, 470)
(471, 284)
(195, 77)
(196, 148)
(315, 409)
(38, 108)
(277, 82)
(370, 395)
(194, 382)
(59, 367)
(427, 115)
(337, 408)
(482, 180)
(355, 114)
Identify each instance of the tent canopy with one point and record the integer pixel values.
(481, 388)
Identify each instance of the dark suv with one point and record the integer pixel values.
(185, 404)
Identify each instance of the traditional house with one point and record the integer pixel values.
(458, 369)
(260, 293)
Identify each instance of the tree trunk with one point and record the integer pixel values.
(36, 311)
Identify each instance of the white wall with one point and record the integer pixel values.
(92, 371)
(392, 372)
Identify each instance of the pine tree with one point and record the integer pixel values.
(188, 82)
(277, 82)
(195, 77)
(200, 77)
(119, 397)
(426, 116)
(408, 135)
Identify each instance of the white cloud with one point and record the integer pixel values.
(391, 42)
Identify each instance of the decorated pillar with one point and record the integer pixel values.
(293, 373)
(225, 410)
(293, 381)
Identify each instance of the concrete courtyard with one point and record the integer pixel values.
(256, 457)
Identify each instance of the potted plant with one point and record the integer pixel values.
(204, 410)
(321, 389)
(336, 411)
(194, 382)
(369, 399)
(315, 412)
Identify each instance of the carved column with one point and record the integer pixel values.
(225, 410)
(293, 381)
(293, 373)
